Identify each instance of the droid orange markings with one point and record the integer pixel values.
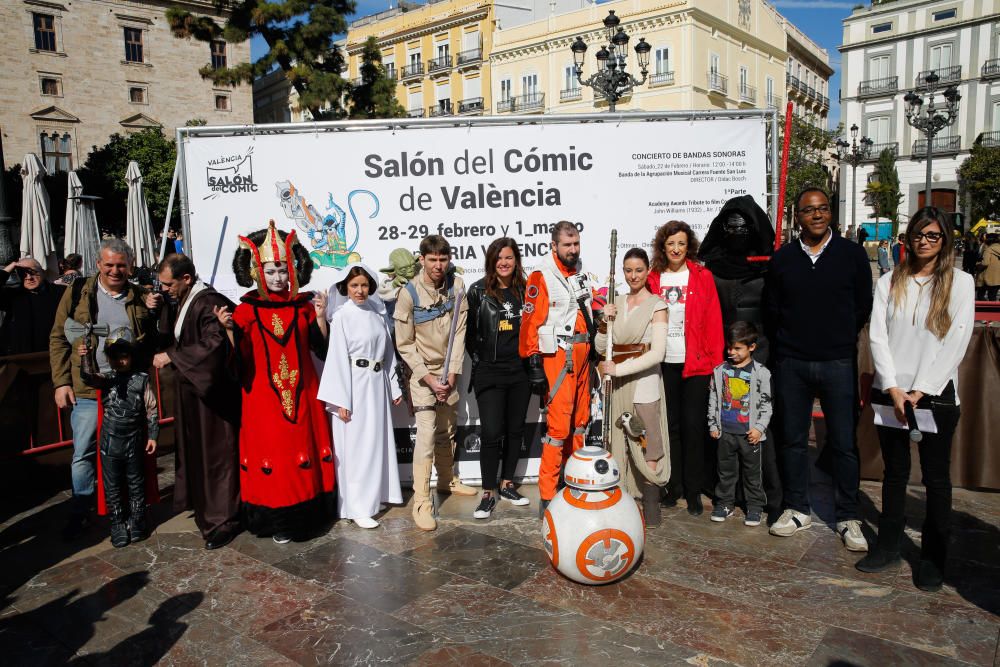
(603, 499)
(551, 540)
(609, 551)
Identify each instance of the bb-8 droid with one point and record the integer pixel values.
(593, 533)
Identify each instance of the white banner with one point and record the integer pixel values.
(360, 194)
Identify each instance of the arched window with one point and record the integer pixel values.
(57, 151)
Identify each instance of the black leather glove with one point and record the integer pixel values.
(536, 375)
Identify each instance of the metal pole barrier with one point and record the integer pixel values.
(170, 208)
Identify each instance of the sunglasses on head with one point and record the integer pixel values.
(21, 271)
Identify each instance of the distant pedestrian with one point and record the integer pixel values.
(899, 250)
(862, 235)
(883, 257)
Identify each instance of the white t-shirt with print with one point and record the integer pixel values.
(673, 290)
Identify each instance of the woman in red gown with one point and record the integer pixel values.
(286, 453)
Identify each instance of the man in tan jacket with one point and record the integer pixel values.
(107, 298)
(423, 315)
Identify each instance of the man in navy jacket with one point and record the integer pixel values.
(818, 298)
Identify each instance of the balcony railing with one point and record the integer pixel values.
(748, 94)
(877, 87)
(570, 94)
(989, 139)
(661, 79)
(718, 83)
(440, 109)
(824, 101)
(941, 145)
(439, 65)
(470, 57)
(410, 71)
(415, 113)
(991, 68)
(877, 149)
(505, 106)
(791, 81)
(471, 105)
(775, 102)
(946, 74)
(530, 102)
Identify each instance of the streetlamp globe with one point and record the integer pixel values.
(579, 49)
(611, 23)
(642, 50)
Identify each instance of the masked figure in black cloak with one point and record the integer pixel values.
(742, 229)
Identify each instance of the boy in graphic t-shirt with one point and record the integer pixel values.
(739, 409)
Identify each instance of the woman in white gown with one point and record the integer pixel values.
(358, 383)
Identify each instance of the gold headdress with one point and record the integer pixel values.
(272, 249)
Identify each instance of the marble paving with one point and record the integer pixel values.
(482, 593)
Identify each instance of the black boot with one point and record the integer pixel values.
(119, 527)
(885, 554)
(928, 576)
(542, 506)
(137, 521)
(695, 507)
(651, 504)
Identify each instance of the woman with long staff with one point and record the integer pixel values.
(639, 341)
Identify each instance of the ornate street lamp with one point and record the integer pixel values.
(930, 120)
(611, 80)
(854, 153)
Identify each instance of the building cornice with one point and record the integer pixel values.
(441, 23)
(637, 23)
(911, 34)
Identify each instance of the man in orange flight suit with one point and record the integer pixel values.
(555, 339)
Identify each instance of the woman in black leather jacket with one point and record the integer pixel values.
(498, 373)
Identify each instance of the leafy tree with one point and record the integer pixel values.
(375, 97)
(979, 182)
(299, 35)
(807, 148)
(882, 193)
(104, 175)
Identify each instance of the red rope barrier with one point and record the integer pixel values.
(779, 213)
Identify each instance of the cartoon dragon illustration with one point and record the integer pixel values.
(326, 233)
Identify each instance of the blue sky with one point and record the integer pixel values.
(819, 19)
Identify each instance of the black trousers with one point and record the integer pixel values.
(502, 408)
(687, 424)
(935, 466)
(739, 460)
(122, 468)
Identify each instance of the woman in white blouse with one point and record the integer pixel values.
(920, 328)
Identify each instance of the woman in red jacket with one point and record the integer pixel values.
(694, 348)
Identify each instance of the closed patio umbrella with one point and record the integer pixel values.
(36, 227)
(82, 235)
(138, 230)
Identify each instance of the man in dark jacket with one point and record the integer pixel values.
(818, 298)
(28, 309)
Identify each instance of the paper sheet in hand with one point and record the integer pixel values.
(885, 415)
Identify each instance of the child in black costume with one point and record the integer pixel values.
(129, 414)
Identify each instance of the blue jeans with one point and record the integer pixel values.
(797, 384)
(83, 469)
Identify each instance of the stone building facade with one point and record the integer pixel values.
(76, 72)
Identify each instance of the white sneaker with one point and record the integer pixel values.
(850, 532)
(366, 522)
(789, 523)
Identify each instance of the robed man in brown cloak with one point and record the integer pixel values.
(208, 403)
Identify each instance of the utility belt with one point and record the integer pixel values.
(624, 351)
(371, 364)
(566, 343)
